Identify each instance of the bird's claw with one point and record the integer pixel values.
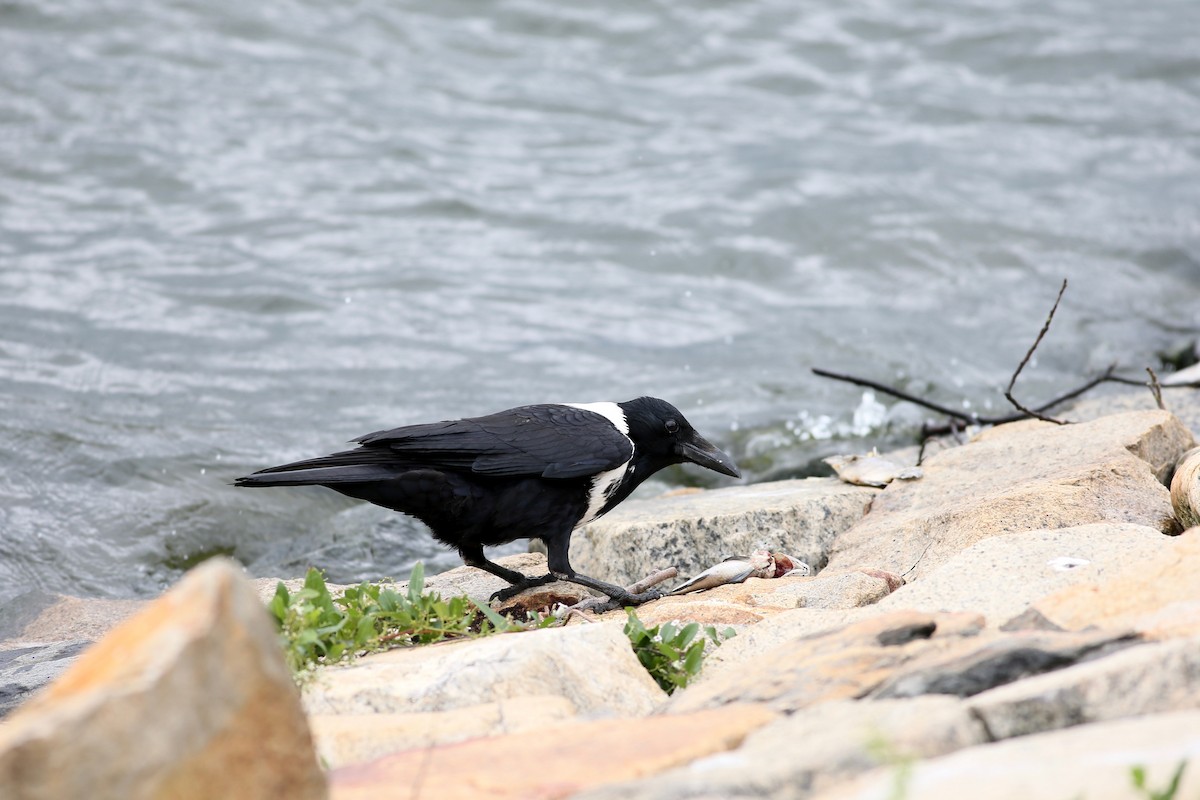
(512, 591)
(627, 599)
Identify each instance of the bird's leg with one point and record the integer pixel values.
(473, 556)
(560, 566)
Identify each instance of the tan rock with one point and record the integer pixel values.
(1157, 594)
(968, 666)
(1002, 575)
(188, 698)
(756, 599)
(841, 664)
(1146, 679)
(591, 666)
(354, 738)
(1023, 476)
(551, 763)
(694, 531)
(813, 749)
(1091, 761)
(756, 640)
(40, 617)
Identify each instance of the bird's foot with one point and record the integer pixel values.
(627, 599)
(517, 588)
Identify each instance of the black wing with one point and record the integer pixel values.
(553, 441)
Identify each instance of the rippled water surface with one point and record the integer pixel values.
(233, 234)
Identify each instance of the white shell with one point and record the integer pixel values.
(870, 469)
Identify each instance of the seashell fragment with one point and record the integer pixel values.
(871, 469)
(1185, 489)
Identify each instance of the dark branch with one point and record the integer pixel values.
(1156, 388)
(1008, 392)
(870, 384)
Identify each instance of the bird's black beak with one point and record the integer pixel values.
(700, 451)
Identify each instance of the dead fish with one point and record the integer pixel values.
(786, 566)
(871, 469)
(734, 569)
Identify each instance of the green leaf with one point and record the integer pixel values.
(1138, 775)
(687, 634)
(416, 581)
(499, 622)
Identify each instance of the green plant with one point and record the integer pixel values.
(672, 655)
(319, 628)
(1137, 774)
(886, 753)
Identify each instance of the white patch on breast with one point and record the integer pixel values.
(605, 483)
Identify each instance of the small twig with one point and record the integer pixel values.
(870, 384)
(644, 585)
(1008, 392)
(1156, 388)
(564, 613)
(650, 581)
(918, 561)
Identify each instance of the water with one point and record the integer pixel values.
(233, 234)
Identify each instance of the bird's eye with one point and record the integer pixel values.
(672, 426)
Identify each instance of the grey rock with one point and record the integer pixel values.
(1093, 762)
(696, 530)
(1001, 576)
(24, 670)
(39, 617)
(1147, 679)
(592, 666)
(845, 663)
(987, 662)
(811, 750)
(1183, 403)
(1023, 476)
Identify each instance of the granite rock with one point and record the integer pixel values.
(1028, 475)
(591, 666)
(814, 748)
(189, 698)
(1147, 679)
(1001, 576)
(1094, 762)
(693, 531)
(1157, 594)
(554, 762)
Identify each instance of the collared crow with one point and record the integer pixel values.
(537, 471)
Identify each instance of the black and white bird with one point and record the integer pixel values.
(537, 471)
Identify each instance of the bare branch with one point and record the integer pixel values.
(1156, 388)
(1008, 392)
(870, 384)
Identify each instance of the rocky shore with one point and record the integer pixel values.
(1021, 621)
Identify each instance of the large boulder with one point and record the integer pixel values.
(1023, 476)
(1157, 593)
(189, 698)
(1148, 679)
(553, 762)
(692, 531)
(1001, 576)
(591, 666)
(1096, 762)
(811, 750)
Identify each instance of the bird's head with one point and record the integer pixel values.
(662, 436)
